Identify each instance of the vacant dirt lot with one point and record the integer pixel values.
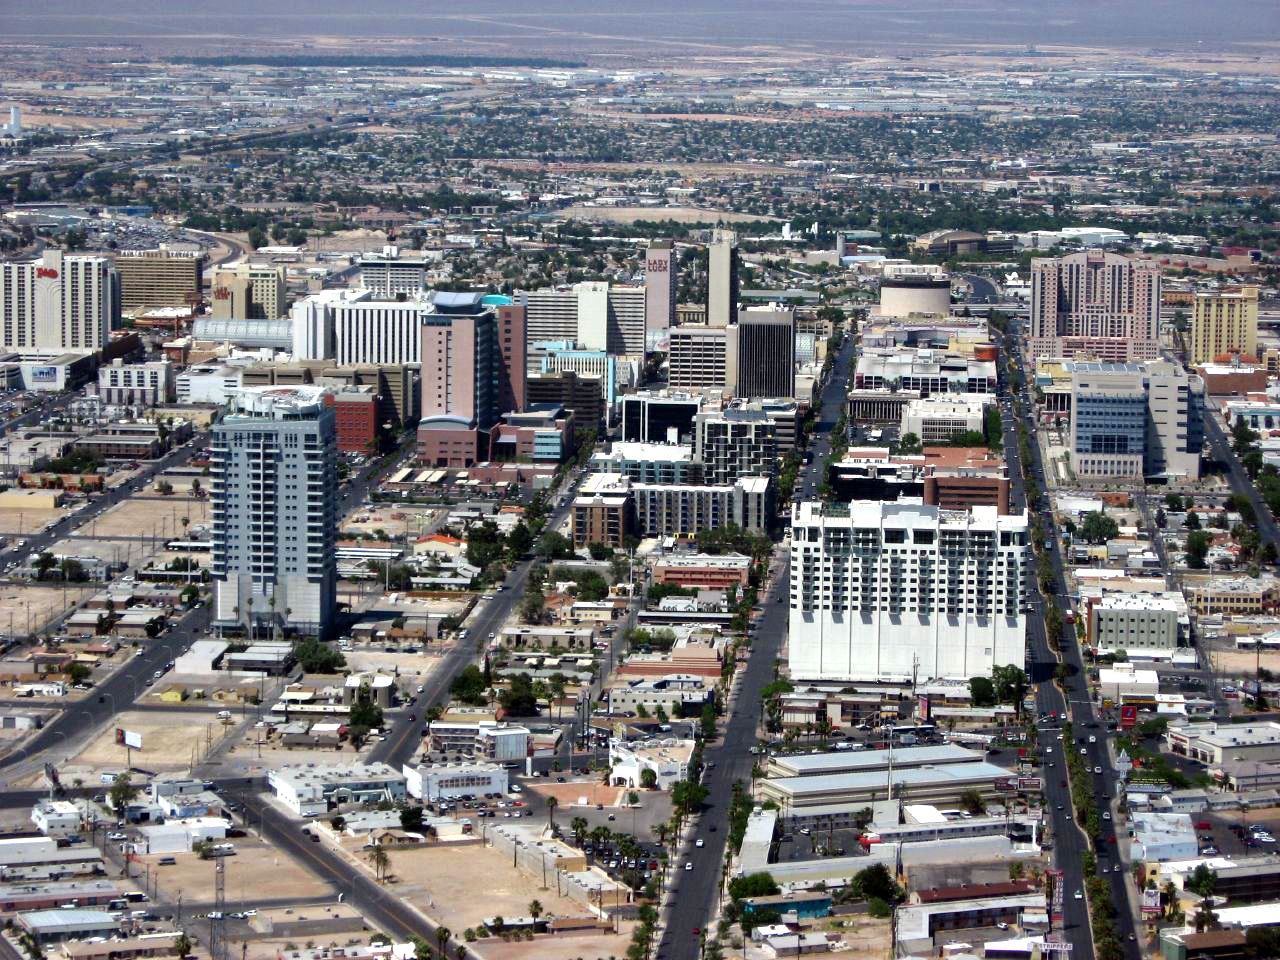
(24, 608)
(168, 739)
(256, 873)
(563, 946)
(16, 522)
(395, 522)
(149, 516)
(462, 886)
(571, 794)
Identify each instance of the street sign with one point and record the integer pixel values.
(1056, 946)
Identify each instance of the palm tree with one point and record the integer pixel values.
(379, 860)
(442, 939)
(579, 827)
(535, 909)
(552, 803)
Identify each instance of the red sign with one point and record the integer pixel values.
(1128, 716)
(656, 266)
(222, 293)
(49, 272)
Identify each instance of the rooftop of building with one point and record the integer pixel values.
(910, 778)
(337, 774)
(1138, 601)
(803, 764)
(906, 514)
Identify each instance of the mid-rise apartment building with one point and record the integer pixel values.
(136, 384)
(1095, 304)
(61, 303)
(248, 291)
(697, 358)
(159, 278)
(1224, 324)
(379, 331)
(734, 443)
(903, 590)
(274, 484)
(936, 418)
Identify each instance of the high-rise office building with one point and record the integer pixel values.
(274, 484)
(660, 270)
(61, 303)
(395, 273)
(1135, 420)
(512, 346)
(463, 368)
(697, 358)
(159, 278)
(248, 291)
(659, 417)
(722, 278)
(1225, 324)
(762, 348)
(594, 315)
(378, 331)
(1095, 305)
(896, 591)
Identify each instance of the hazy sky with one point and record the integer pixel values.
(852, 25)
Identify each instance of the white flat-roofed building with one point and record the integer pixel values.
(861, 761)
(499, 742)
(1144, 625)
(1125, 683)
(924, 784)
(181, 835)
(136, 384)
(903, 589)
(1215, 743)
(1163, 836)
(57, 818)
(395, 272)
(668, 759)
(309, 790)
(431, 782)
(925, 370)
(54, 926)
(934, 419)
(649, 462)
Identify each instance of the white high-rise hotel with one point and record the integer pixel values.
(881, 589)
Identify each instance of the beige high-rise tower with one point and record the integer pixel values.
(1225, 324)
(722, 278)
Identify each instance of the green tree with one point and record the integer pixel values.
(753, 885)
(1098, 528)
(554, 546)
(982, 692)
(909, 443)
(519, 700)
(469, 686)
(44, 563)
(411, 819)
(648, 779)
(876, 882)
(122, 792)
(971, 802)
(316, 656)
(1198, 543)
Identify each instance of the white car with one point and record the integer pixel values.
(688, 865)
(700, 842)
(1079, 895)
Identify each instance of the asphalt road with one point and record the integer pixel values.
(1069, 841)
(695, 892)
(1240, 483)
(487, 619)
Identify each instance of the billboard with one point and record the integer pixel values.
(1030, 783)
(44, 374)
(1150, 903)
(1128, 716)
(128, 738)
(1006, 784)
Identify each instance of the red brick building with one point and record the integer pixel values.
(356, 411)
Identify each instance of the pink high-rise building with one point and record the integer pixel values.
(1095, 304)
